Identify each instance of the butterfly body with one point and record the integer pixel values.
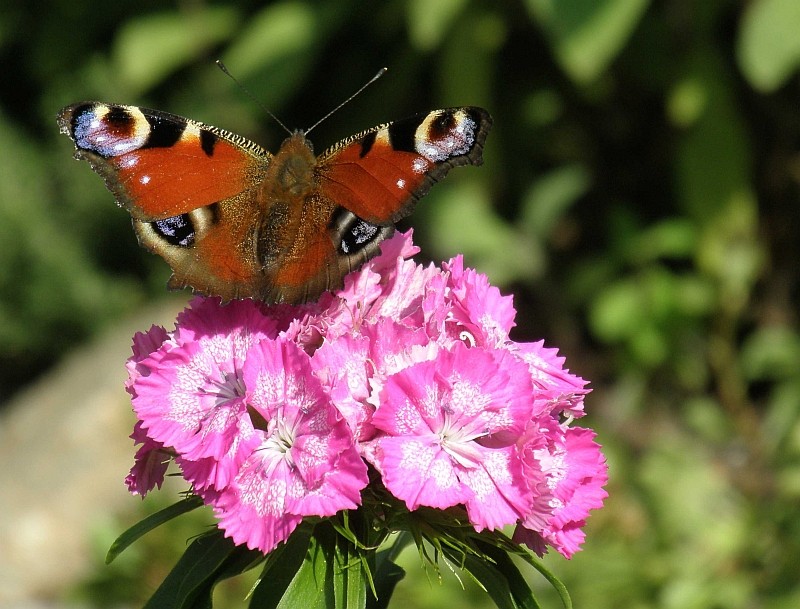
(235, 221)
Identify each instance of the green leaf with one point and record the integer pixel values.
(501, 561)
(771, 353)
(275, 33)
(330, 575)
(151, 522)
(620, 310)
(312, 585)
(768, 48)
(557, 584)
(207, 560)
(494, 579)
(321, 567)
(387, 574)
(281, 567)
(479, 36)
(550, 196)
(672, 238)
(386, 580)
(273, 53)
(587, 35)
(713, 162)
(463, 220)
(349, 581)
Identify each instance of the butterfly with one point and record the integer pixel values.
(233, 220)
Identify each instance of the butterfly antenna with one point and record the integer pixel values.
(246, 91)
(380, 73)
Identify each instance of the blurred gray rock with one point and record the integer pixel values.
(64, 455)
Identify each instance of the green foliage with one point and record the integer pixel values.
(349, 560)
(149, 49)
(586, 35)
(640, 196)
(768, 47)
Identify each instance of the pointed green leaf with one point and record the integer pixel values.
(312, 586)
(501, 561)
(490, 579)
(349, 583)
(207, 560)
(557, 584)
(150, 523)
(386, 573)
(281, 566)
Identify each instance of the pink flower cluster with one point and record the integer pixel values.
(273, 412)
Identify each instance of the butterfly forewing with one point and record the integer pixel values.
(379, 174)
(159, 164)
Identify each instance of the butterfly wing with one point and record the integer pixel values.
(191, 189)
(375, 178)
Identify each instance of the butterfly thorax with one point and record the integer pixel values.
(290, 217)
(291, 171)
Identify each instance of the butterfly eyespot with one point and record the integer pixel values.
(109, 131)
(177, 230)
(357, 236)
(442, 125)
(446, 135)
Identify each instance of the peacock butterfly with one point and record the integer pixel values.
(233, 220)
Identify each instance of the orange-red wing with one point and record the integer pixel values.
(160, 165)
(379, 174)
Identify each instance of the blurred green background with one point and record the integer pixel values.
(639, 198)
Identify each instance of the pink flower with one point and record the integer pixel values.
(150, 460)
(272, 412)
(150, 463)
(305, 462)
(563, 390)
(144, 344)
(477, 307)
(574, 472)
(343, 367)
(450, 427)
(191, 399)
